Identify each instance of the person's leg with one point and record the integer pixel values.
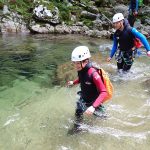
(119, 59)
(80, 108)
(126, 68)
(131, 19)
(78, 118)
(128, 59)
(120, 64)
(78, 114)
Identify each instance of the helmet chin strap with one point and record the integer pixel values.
(121, 26)
(82, 64)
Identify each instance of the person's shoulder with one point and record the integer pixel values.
(128, 28)
(134, 30)
(92, 70)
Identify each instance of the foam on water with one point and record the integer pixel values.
(11, 119)
(116, 132)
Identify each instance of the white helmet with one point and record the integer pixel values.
(118, 17)
(80, 53)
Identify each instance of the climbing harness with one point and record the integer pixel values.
(124, 56)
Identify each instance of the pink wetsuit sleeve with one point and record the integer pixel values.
(100, 87)
(76, 81)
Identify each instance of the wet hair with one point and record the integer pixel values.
(86, 60)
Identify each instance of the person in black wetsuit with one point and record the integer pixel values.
(133, 12)
(124, 42)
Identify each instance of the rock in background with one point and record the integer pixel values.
(87, 17)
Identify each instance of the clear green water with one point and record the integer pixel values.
(36, 112)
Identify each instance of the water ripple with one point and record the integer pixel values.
(12, 119)
(116, 132)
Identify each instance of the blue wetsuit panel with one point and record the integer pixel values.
(142, 38)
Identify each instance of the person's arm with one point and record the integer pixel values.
(101, 88)
(137, 5)
(76, 81)
(129, 6)
(135, 11)
(142, 38)
(114, 48)
(71, 83)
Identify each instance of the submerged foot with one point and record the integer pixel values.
(76, 129)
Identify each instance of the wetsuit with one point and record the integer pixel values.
(124, 41)
(133, 7)
(93, 90)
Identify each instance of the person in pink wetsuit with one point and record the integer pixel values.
(93, 91)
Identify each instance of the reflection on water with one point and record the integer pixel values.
(36, 112)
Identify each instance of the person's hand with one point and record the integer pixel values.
(70, 83)
(148, 53)
(135, 13)
(90, 110)
(108, 59)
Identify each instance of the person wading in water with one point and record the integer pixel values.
(124, 41)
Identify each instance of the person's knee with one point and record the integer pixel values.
(78, 112)
(127, 68)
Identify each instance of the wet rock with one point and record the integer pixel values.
(63, 29)
(65, 72)
(146, 84)
(13, 23)
(5, 10)
(88, 15)
(97, 24)
(97, 33)
(46, 28)
(41, 13)
(121, 9)
(93, 9)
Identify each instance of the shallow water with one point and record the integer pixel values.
(36, 112)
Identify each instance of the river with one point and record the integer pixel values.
(37, 109)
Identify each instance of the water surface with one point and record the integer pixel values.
(36, 111)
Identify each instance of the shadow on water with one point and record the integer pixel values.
(37, 109)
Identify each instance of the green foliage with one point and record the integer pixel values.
(22, 7)
(99, 2)
(50, 6)
(87, 22)
(65, 16)
(2, 2)
(64, 11)
(76, 10)
(86, 1)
